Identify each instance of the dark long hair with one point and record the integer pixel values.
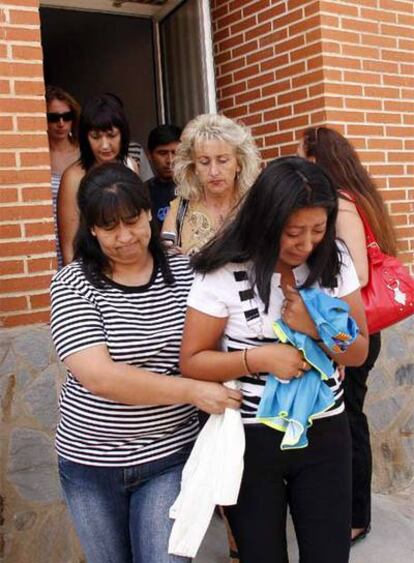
(101, 113)
(340, 161)
(284, 186)
(107, 194)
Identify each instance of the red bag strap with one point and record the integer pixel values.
(369, 235)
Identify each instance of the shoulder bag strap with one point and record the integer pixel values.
(181, 212)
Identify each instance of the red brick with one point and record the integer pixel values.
(404, 156)
(379, 15)
(245, 48)
(384, 118)
(308, 106)
(14, 285)
(32, 123)
(8, 195)
(276, 88)
(10, 267)
(42, 265)
(259, 55)
(16, 141)
(9, 177)
(362, 77)
(336, 8)
(365, 130)
(4, 87)
(22, 212)
(273, 12)
(16, 70)
(383, 143)
(278, 113)
(258, 31)
(39, 301)
(378, 40)
(10, 231)
(397, 31)
(13, 304)
(308, 78)
(248, 96)
(380, 66)
(341, 62)
(274, 63)
(261, 80)
(363, 103)
(381, 92)
(22, 34)
(35, 158)
(29, 87)
(262, 105)
(39, 229)
(7, 160)
(26, 319)
(273, 38)
(23, 17)
(243, 24)
(291, 70)
(6, 124)
(278, 139)
(27, 53)
(292, 123)
(255, 7)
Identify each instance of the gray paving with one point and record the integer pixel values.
(390, 541)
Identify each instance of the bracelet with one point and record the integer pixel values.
(245, 364)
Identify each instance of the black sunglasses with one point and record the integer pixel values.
(54, 117)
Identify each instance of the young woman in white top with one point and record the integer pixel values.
(103, 137)
(282, 238)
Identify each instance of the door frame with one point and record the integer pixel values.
(157, 14)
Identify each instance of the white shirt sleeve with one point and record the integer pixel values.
(348, 281)
(208, 294)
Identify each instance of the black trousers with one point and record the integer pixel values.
(315, 482)
(355, 389)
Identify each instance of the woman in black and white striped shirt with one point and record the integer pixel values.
(127, 420)
(282, 238)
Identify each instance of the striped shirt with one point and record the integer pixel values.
(55, 190)
(141, 326)
(228, 292)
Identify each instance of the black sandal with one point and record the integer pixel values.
(361, 535)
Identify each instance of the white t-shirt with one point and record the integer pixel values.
(227, 293)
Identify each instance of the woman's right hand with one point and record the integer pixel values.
(213, 398)
(282, 360)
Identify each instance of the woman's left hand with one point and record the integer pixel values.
(295, 314)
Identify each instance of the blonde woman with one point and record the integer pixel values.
(216, 163)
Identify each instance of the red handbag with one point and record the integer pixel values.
(389, 294)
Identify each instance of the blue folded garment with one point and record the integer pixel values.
(290, 406)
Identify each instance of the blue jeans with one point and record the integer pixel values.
(121, 514)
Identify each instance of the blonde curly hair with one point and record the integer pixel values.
(212, 126)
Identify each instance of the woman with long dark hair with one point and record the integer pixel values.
(103, 137)
(356, 190)
(128, 421)
(282, 239)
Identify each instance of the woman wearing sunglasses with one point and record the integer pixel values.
(62, 130)
(103, 137)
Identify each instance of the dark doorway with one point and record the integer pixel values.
(89, 53)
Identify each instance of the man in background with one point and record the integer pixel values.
(162, 144)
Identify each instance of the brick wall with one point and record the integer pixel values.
(285, 64)
(27, 247)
